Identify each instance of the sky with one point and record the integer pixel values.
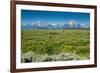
(30, 16)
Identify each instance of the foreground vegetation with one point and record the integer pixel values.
(44, 45)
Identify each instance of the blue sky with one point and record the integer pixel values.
(30, 16)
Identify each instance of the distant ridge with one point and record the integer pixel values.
(45, 25)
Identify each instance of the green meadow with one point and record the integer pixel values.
(46, 45)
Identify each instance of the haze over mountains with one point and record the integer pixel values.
(49, 25)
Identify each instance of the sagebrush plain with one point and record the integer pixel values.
(46, 45)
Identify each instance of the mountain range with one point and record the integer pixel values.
(46, 25)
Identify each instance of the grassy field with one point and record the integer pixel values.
(45, 45)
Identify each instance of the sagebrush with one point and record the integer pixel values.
(41, 45)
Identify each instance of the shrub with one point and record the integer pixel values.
(31, 57)
(28, 57)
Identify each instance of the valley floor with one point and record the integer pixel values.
(43, 45)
